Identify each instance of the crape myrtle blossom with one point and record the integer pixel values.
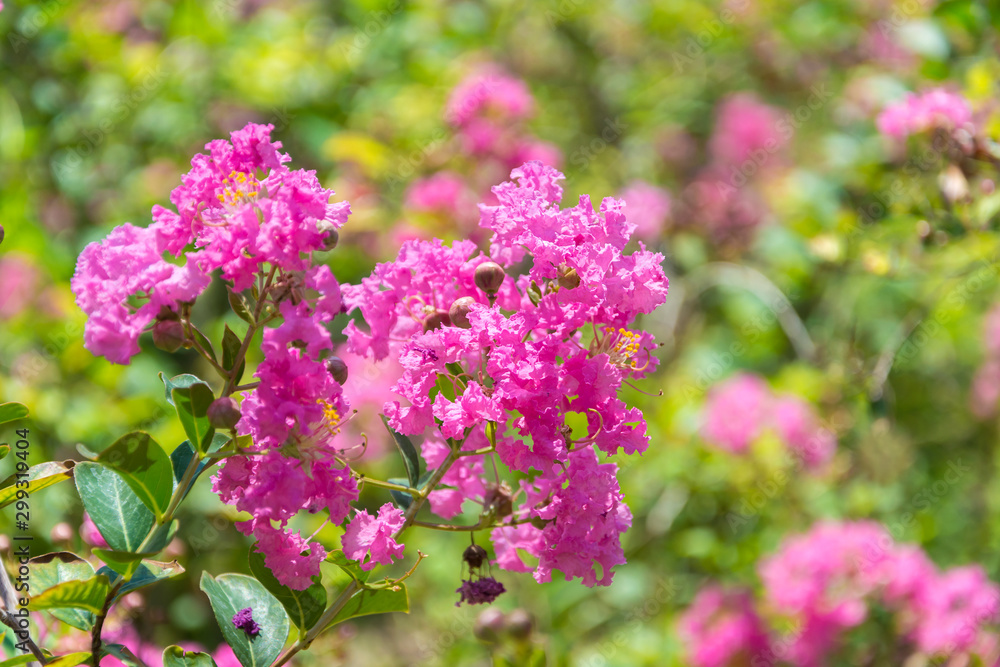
(740, 409)
(238, 208)
(827, 581)
(479, 347)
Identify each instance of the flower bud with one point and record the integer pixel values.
(224, 413)
(1, 233)
(436, 320)
(474, 555)
(338, 369)
(568, 277)
(168, 335)
(331, 239)
(519, 624)
(61, 532)
(488, 625)
(459, 312)
(489, 277)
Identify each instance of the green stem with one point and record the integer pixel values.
(388, 485)
(419, 497)
(241, 354)
(175, 500)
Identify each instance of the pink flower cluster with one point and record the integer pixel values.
(238, 209)
(935, 108)
(740, 409)
(486, 109)
(747, 141)
(648, 208)
(479, 347)
(985, 396)
(826, 582)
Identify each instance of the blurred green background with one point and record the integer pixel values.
(103, 103)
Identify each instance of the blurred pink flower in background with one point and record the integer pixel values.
(721, 628)
(917, 113)
(490, 91)
(745, 129)
(798, 427)
(19, 283)
(736, 412)
(648, 208)
(730, 214)
(984, 399)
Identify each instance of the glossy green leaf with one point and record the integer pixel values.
(88, 595)
(19, 660)
(401, 498)
(51, 569)
(39, 477)
(175, 656)
(409, 453)
(123, 654)
(11, 411)
(231, 345)
(144, 466)
(192, 408)
(304, 607)
(351, 567)
(148, 573)
(178, 382)
(4, 450)
(121, 562)
(229, 593)
(365, 603)
(120, 516)
(69, 660)
(239, 304)
(205, 343)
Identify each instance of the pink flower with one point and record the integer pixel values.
(20, 280)
(737, 411)
(917, 113)
(445, 191)
(951, 611)
(127, 265)
(285, 554)
(648, 207)
(745, 129)
(721, 627)
(490, 90)
(798, 427)
(371, 539)
(90, 534)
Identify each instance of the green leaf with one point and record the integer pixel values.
(69, 660)
(51, 569)
(39, 477)
(231, 345)
(366, 602)
(229, 593)
(88, 595)
(401, 498)
(205, 343)
(148, 573)
(192, 408)
(410, 457)
(304, 607)
(19, 660)
(349, 566)
(179, 382)
(122, 653)
(175, 656)
(120, 516)
(4, 450)
(11, 411)
(181, 457)
(145, 467)
(239, 304)
(123, 563)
